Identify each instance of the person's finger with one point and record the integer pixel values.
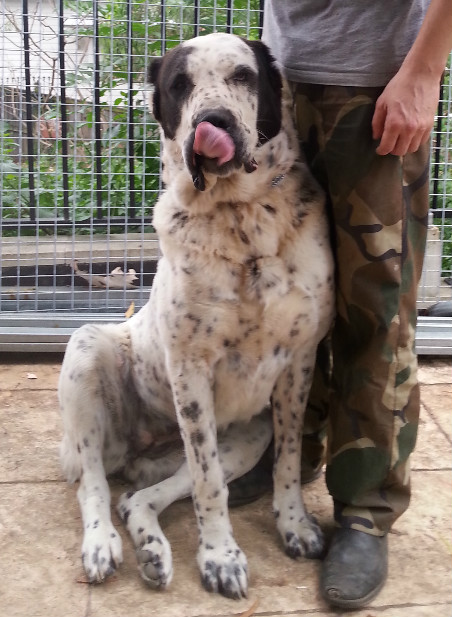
(417, 140)
(378, 120)
(404, 144)
(427, 134)
(421, 138)
(388, 139)
(407, 145)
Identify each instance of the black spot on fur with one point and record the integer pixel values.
(243, 237)
(97, 550)
(270, 209)
(197, 438)
(195, 320)
(82, 345)
(180, 219)
(191, 411)
(253, 268)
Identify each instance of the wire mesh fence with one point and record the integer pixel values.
(437, 276)
(79, 153)
(79, 150)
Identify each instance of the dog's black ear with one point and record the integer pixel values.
(152, 78)
(154, 70)
(172, 86)
(269, 92)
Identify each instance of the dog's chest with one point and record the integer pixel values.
(238, 276)
(246, 320)
(233, 288)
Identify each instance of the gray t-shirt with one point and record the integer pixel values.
(342, 42)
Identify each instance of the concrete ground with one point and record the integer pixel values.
(40, 525)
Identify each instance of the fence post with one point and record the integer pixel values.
(29, 111)
(64, 124)
(130, 115)
(97, 118)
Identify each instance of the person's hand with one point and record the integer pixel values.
(405, 113)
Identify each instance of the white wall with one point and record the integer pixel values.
(43, 28)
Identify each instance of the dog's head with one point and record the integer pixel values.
(218, 97)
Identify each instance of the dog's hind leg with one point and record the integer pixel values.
(89, 398)
(143, 472)
(239, 449)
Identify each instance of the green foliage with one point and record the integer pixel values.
(445, 226)
(441, 178)
(81, 174)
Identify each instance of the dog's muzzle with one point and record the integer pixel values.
(215, 146)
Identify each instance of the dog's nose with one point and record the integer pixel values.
(221, 118)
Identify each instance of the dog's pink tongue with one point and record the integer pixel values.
(213, 143)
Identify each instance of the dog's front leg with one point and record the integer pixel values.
(299, 531)
(222, 563)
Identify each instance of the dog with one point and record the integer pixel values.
(242, 296)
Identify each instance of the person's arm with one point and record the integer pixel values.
(405, 111)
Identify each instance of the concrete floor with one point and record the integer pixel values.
(40, 525)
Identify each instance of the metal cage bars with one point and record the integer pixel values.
(194, 18)
(36, 222)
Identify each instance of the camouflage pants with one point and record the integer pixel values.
(365, 406)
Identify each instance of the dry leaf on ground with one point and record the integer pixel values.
(117, 279)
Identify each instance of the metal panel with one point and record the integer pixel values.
(51, 332)
(434, 336)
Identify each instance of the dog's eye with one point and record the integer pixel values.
(243, 75)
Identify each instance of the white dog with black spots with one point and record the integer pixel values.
(242, 296)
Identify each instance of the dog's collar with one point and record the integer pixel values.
(277, 179)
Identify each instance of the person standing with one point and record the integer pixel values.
(366, 79)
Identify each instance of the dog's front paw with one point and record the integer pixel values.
(101, 551)
(224, 570)
(303, 539)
